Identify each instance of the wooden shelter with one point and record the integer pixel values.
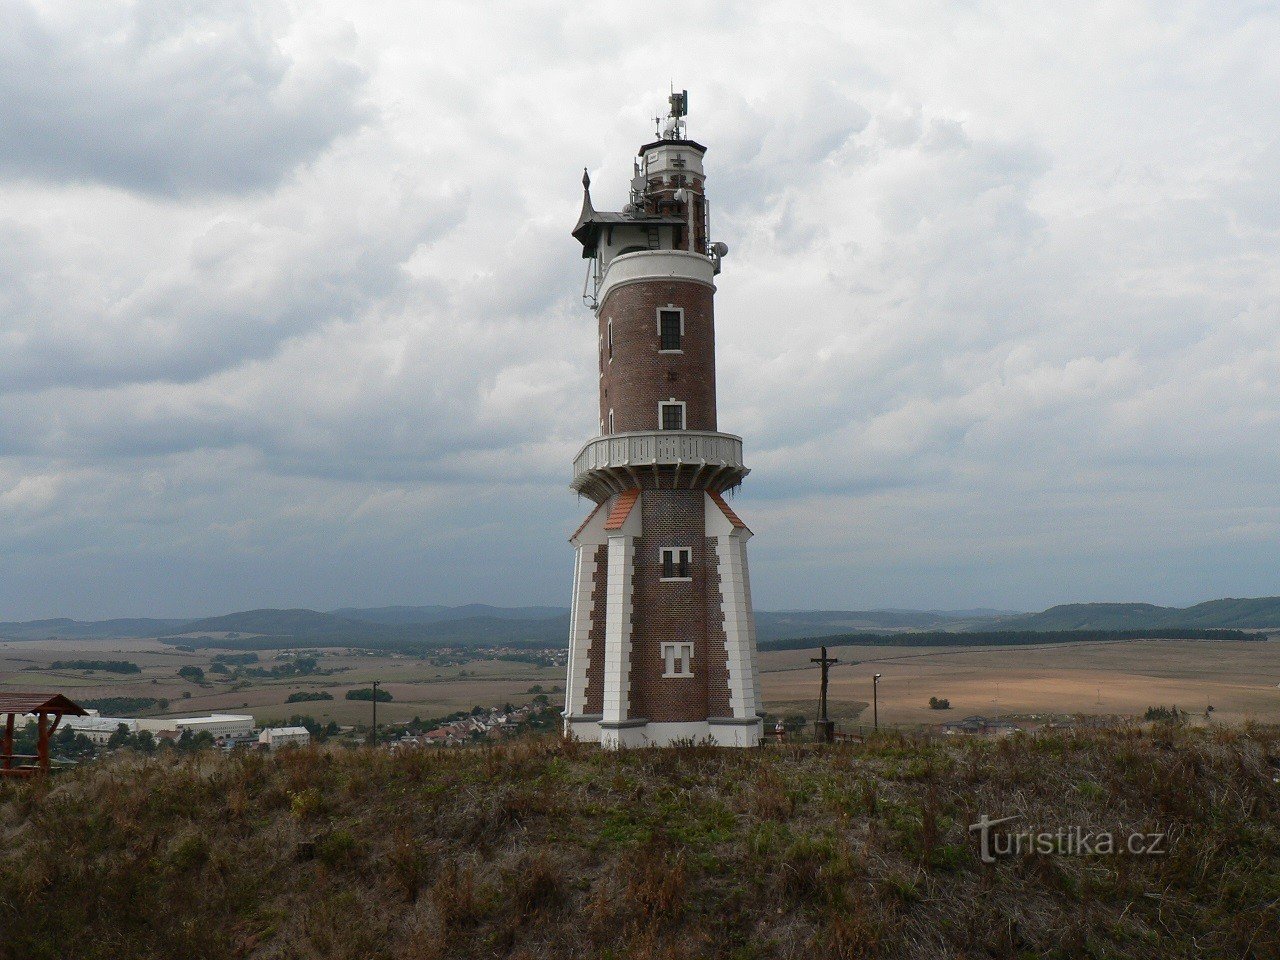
(42, 706)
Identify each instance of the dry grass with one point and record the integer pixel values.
(537, 848)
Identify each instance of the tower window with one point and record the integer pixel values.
(676, 563)
(611, 340)
(677, 659)
(670, 329)
(671, 415)
(611, 421)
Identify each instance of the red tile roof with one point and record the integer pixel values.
(584, 523)
(729, 514)
(622, 509)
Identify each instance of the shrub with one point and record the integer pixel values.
(936, 704)
(108, 666)
(366, 693)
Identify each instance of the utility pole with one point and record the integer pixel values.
(375, 711)
(875, 700)
(824, 728)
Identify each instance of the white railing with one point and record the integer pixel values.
(657, 448)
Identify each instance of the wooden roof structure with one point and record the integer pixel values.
(42, 706)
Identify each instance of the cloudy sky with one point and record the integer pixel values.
(290, 316)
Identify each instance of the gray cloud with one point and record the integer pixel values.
(168, 98)
(999, 323)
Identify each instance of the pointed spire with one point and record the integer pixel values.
(588, 211)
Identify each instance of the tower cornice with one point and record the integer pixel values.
(656, 265)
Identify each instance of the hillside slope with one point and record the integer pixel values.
(1255, 613)
(536, 849)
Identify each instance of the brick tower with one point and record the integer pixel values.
(662, 635)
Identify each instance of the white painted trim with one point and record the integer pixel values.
(584, 571)
(673, 402)
(677, 659)
(739, 618)
(675, 562)
(657, 322)
(649, 265)
(617, 628)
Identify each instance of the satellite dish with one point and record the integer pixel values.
(681, 195)
(720, 249)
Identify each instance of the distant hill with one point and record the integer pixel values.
(1257, 613)
(785, 624)
(479, 624)
(257, 629)
(63, 628)
(440, 614)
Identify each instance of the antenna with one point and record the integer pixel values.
(674, 128)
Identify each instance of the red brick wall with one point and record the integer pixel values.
(671, 611)
(717, 649)
(593, 696)
(639, 376)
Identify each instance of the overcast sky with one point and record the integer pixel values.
(290, 314)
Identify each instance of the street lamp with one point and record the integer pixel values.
(875, 700)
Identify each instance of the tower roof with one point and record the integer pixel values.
(691, 144)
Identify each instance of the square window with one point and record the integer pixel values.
(669, 324)
(672, 416)
(677, 659)
(676, 563)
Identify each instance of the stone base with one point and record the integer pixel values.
(721, 732)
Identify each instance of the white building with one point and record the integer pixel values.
(99, 729)
(219, 725)
(277, 737)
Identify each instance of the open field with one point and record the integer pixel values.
(419, 688)
(1239, 679)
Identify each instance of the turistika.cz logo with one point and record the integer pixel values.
(1064, 841)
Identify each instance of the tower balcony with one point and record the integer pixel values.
(670, 459)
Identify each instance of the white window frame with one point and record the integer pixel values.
(609, 325)
(611, 420)
(657, 320)
(673, 402)
(677, 659)
(675, 563)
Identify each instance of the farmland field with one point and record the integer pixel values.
(1239, 679)
(418, 687)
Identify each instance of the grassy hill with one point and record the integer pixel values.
(481, 624)
(536, 849)
(1256, 613)
(275, 628)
